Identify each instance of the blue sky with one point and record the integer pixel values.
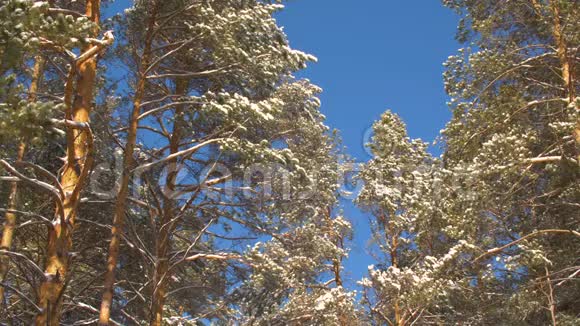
(374, 55)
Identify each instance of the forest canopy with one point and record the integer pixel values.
(165, 166)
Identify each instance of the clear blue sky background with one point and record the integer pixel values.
(374, 55)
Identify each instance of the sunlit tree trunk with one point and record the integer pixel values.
(78, 157)
(128, 162)
(565, 64)
(10, 216)
(562, 50)
(9, 224)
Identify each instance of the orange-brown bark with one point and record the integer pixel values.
(566, 64)
(9, 226)
(562, 50)
(10, 216)
(128, 162)
(77, 162)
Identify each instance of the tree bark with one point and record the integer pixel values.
(10, 217)
(128, 162)
(566, 65)
(562, 50)
(337, 261)
(167, 226)
(78, 159)
(9, 226)
(399, 319)
(392, 235)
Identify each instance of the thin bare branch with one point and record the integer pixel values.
(495, 251)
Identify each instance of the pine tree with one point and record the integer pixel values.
(31, 30)
(415, 273)
(296, 275)
(75, 172)
(215, 97)
(511, 141)
(211, 93)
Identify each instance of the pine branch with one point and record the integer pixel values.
(495, 251)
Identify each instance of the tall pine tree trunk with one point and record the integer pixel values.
(128, 162)
(163, 244)
(9, 225)
(337, 262)
(399, 319)
(562, 50)
(10, 216)
(393, 235)
(161, 270)
(8, 229)
(565, 63)
(78, 157)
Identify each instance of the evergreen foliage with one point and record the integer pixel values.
(166, 167)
